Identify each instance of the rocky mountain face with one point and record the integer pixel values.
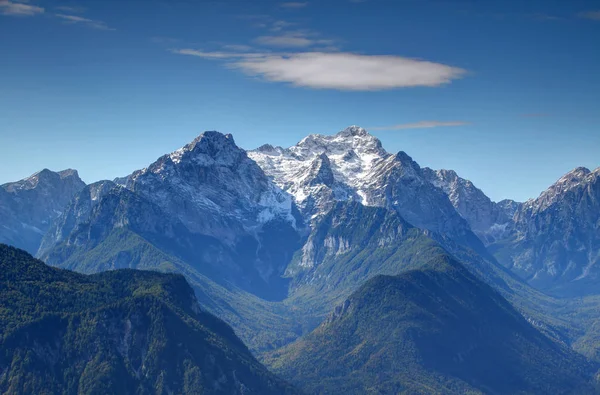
(125, 332)
(352, 165)
(489, 220)
(28, 207)
(213, 188)
(207, 204)
(555, 243)
(433, 329)
(351, 244)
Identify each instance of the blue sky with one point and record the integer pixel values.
(507, 93)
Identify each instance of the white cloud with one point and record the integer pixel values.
(307, 60)
(594, 15)
(84, 21)
(340, 71)
(348, 71)
(16, 8)
(294, 4)
(421, 125)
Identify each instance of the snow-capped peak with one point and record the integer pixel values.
(353, 139)
(354, 130)
(352, 165)
(323, 167)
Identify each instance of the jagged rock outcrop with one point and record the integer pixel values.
(28, 207)
(555, 243)
(489, 220)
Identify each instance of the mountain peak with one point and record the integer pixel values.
(353, 138)
(577, 172)
(213, 135)
(214, 139)
(34, 179)
(404, 158)
(353, 131)
(43, 177)
(571, 179)
(68, 173)
(267, 149)
(210, 146)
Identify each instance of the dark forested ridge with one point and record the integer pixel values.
(432, 329)
(122, 332)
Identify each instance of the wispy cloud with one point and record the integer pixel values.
(18, 8)
(339, 71)
(280, 25)
(594, 15)
(294, 4)
(422, 125)
(84, 21)
(292, 40)
(217, 54)
(71, 9)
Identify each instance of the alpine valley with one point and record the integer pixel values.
(342, 267)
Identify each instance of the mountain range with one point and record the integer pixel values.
(215, 189)
(272, 240)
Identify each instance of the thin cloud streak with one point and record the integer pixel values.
(216, 54)
(84, 21)
(292, 40)
(422, 125)
(71, 10)
(13, 8)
